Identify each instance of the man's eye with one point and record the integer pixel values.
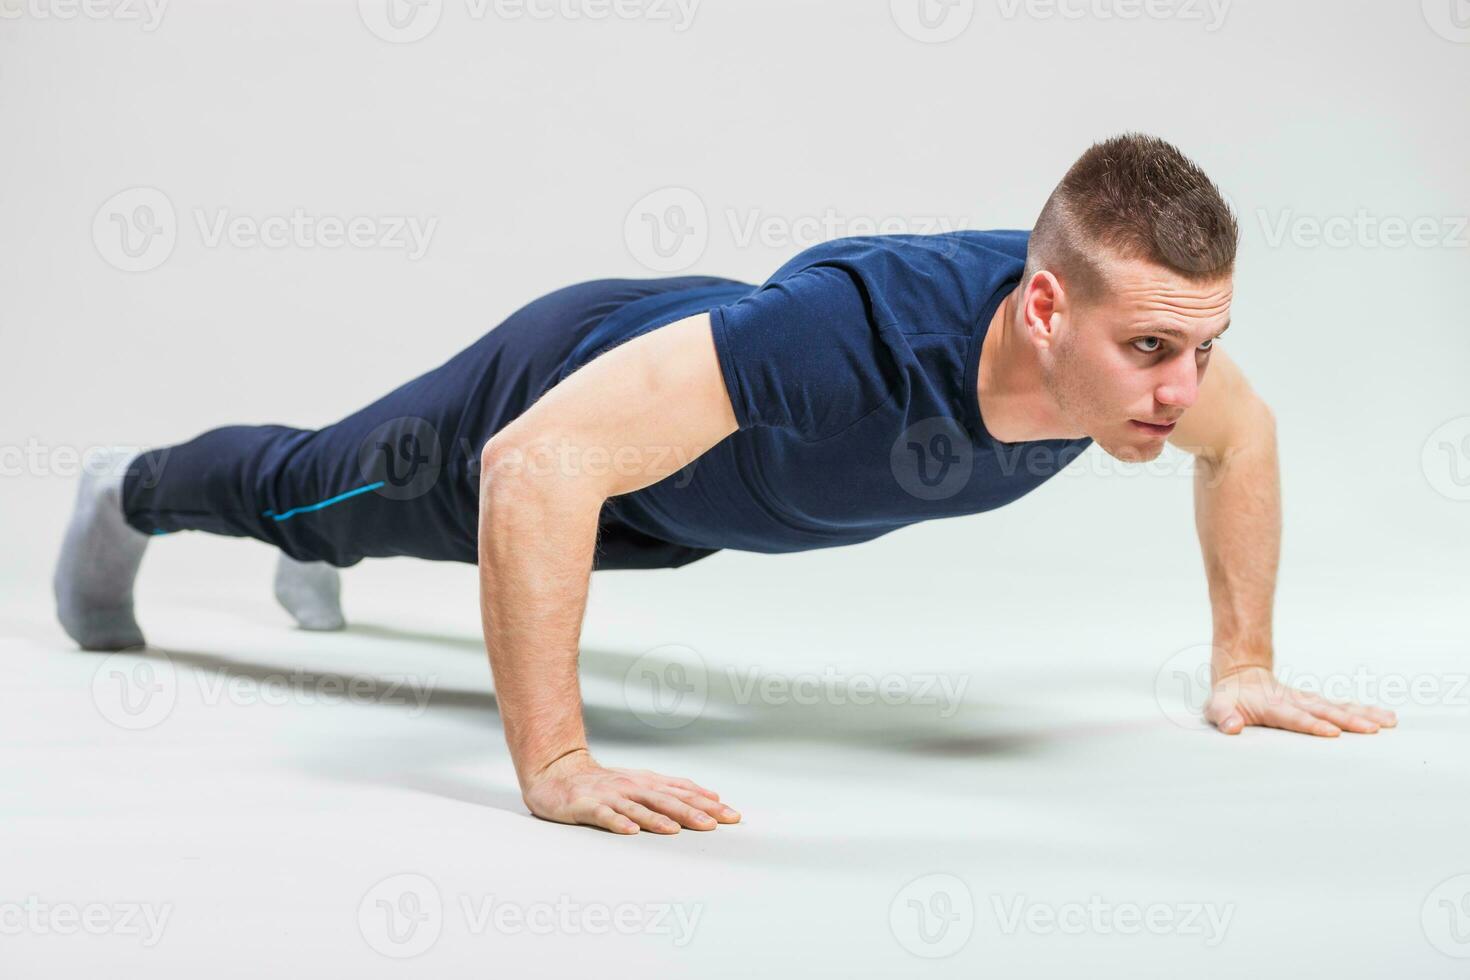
(1206, 346)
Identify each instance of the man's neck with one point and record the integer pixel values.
(1014, 402)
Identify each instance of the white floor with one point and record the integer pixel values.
(290, 802)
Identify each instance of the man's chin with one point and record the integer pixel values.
(1132, 451)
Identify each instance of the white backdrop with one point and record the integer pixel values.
(178, 182)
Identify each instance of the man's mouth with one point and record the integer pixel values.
(1154, 428)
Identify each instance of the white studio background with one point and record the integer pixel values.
(536, 144)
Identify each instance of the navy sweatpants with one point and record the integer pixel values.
(401, 476)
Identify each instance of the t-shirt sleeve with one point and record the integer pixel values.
(802, 353)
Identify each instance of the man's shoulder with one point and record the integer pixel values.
(912, 251)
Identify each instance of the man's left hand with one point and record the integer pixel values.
(1253, 696)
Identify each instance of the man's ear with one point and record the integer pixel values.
(1045, 301)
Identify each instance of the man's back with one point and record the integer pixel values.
(852, 374)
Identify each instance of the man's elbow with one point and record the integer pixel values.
(519, 471)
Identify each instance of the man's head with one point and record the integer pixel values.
(1128, 278)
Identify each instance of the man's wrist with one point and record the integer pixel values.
(572, 757)
(1229, 660)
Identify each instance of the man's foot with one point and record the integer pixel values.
(311, 592)
(99, 560)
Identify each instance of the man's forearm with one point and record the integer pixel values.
(536, 544)
(1237, 499)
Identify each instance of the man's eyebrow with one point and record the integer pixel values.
(1178, 334)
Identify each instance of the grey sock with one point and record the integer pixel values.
(311, 592)
(99, 560)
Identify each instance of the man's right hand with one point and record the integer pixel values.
(575, 789)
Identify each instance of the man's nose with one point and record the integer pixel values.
(1180, 387)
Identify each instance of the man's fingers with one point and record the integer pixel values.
(714, 808)
(1300, 720)
(678, 809)
(644, 817)
(690, 784)
(1340, 716)
(1378, 717)
(1384, 717)
(598, 814)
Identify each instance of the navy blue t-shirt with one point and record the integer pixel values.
(852, 374)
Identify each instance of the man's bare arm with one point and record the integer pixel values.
(624, 421)
(1237, 499)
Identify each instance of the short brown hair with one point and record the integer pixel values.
(1137, 197)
